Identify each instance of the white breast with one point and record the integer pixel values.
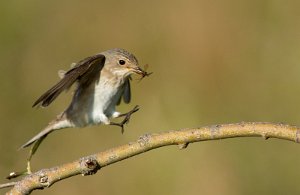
(96, 104)
(105, 96)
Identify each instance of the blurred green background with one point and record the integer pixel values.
(213, 62)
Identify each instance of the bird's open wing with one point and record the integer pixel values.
(85, 72)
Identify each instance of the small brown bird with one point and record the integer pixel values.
(102, 81)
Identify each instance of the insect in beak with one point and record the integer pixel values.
(144, 72)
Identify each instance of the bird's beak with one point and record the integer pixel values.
(139, 71)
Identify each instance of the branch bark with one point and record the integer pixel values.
(91, 164)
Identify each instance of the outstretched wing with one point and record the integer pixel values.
(85, 72)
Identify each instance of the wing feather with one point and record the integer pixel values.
(126, 93)
(85, 72)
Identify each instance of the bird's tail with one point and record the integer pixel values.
(59, 123)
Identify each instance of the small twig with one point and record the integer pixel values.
(6, 185)
(91, 164)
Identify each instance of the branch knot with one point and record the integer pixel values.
(43, 179)
(144, 139)
(89, 165)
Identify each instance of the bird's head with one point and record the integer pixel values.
(122, 63)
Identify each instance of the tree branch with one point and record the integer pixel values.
(91, 164)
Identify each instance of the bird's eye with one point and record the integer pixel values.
(122, 62)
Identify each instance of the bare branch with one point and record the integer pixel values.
(91, 164)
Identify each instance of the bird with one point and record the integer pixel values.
(102, 81)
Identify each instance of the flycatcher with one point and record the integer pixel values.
(102, 81)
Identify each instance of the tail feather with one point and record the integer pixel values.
(59, 123)
(43, 133)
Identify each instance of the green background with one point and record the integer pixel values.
(213, 62)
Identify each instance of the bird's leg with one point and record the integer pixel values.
(128, 114)
(126, 118)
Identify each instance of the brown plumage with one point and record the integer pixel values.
(83, 72)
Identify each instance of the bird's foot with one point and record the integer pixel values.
(126, 118)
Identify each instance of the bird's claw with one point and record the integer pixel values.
(126, 118)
